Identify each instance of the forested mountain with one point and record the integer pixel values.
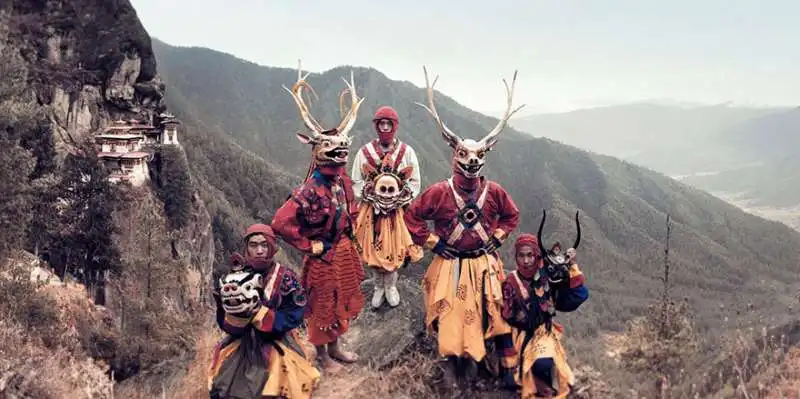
(71, 68)
(240, 140)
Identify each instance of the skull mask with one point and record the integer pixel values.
(241, 291)
(557, 263)
(386, 189)
(469, 156)
(329, 146)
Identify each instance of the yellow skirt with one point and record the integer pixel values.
(455, 299)
(543, 345)
(291, 375)
(389, 250)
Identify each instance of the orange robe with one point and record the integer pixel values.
(318, 220)
(463, 297)
(538, 355)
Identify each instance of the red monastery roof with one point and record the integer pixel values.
(124, 155)
(119, 136)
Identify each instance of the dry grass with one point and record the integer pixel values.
(410, 378)
(29, 369)
(50, 363)
(767, 365)
(788, 384)
(194, 383)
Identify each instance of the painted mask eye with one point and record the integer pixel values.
(462, 153)
(481, 154)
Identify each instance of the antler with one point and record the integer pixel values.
(350, 119)
(491, 138)
(451, 138)
(297, 94)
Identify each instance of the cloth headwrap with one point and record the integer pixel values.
(529, 240)
(386, 112)
(526, 239)
(272, 243)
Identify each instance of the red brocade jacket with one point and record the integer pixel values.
(319, 212)
(499, 215)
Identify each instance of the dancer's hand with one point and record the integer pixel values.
(445, 251)
(493, 245)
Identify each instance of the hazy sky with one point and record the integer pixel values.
(569, 54)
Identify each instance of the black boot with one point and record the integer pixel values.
(507, 379)
(450, 367)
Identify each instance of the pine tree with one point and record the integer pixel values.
(15, 195)
(87, 240)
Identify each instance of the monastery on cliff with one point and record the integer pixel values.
(121, 146)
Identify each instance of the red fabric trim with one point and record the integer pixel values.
(369, 157)
(266, 323)
(576, 281)
(399, 157)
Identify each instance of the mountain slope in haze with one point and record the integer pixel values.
(720, 254)
(646, 134)
(771, 145)
(770, 137)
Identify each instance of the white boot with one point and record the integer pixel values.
(380, 291)
(392, 294)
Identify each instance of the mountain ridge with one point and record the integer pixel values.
(622, 206)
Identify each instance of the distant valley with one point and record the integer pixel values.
(750, 157)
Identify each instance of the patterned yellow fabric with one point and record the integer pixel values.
(388, 251)
(291, 375)
(457, 304)
(543, 345)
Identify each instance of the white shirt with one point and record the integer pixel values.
(409, 159)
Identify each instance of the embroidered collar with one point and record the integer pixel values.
(324, 179)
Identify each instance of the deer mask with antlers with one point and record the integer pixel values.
(329, 146)
(469, 156)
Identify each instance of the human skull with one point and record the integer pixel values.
(387, 188)
(241, 291)
(386, 193)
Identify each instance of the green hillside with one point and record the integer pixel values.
(240, 140)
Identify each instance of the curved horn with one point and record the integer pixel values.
(451, 138)
(539, 234)
(578, 225)
(297, 94)
(490, 139)
(350, 119)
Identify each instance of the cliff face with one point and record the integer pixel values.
(90, 63)
(90, 60)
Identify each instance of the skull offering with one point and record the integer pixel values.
(556, 263)
(241, 291)
(385, 188)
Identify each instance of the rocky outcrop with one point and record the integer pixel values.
(194, 245)
(90, 62)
